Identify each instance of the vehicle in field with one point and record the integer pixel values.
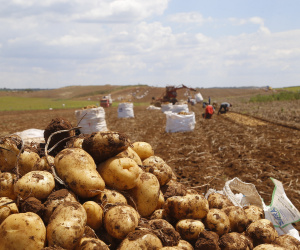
(106, 101)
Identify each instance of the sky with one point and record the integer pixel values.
(204, 44)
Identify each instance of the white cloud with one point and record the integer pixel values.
(189, 18)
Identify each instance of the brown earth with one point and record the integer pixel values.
(217, 150)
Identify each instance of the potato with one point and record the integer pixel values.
(159, 168)
(183, 244)
(217, 221)
(86, 243)
(75, 142)
(157, 214)
(130, 153)
(108, 196)
(54, 199)
(207, 240)
(22, 231)
(6, 210)
(189, 229)
(119, 173)
(143, 149)
(146, 194)
(268, 247)
(120, 220)
(9, 150)
(261, 231)
(42, 163)
(161, 200)
(191, 206)
(288, 242)
(38, 184)
(104, 145)
(28, 158)
(7, 181)
(94, 214)
(32, 204)
(77, 168)
(237, 217)
(254, 213)
(173, 188)
(219, 201)
(66, 225)
(140, 239)
(234, 241)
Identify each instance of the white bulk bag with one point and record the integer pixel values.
(198, 97)
(125, 110)
(166, 107)
(91, 120)
(180, 123)
(180, 108)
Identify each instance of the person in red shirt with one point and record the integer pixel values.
(209, 110)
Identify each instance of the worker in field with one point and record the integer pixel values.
(209, 111)
(224, 107)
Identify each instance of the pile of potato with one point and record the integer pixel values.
(102, 191)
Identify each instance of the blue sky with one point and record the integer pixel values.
(58, 43)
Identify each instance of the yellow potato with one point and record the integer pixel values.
(9, 150)
(108, 196)
(237, 217)
(189, 229)
(130, 153)
(159, 168)
(161, 200)
(6, 210)
(42, 163)
(143, 149)
(22, 231)
(183, 244)
(120, 220)
(87, 243)
(77, 168)
(104, 145)
(38, 184)
(66, 225)
(94, 214)
(146, 194)
(27, 161)
(7, 181)
(191, 206)
(217, 221)
(119, 173)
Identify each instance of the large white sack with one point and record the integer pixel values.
(180, 123)
(198, 97)
(31, 135)
(91, 120)
(125, 110)
(180, 108)
(166, 107)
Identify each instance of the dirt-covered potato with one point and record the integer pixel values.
(94, 214)
(173, 188)
(54, 199)
(140, 239)
(86, 243)
(185, 245)
(254, 213)
(120, 220)
(219, 201)
(66, 225)
(104, 145)
(288, 242)
(32, 204)
(268, 247)
(22, 231)
(130, 153)
(191, 206)
(261, 231)
(143, 149)
(207, 240)
(38, 184)
(43, 163)
(161, 200)
(7, 207)
(237, 217)
(119, 173)
(7, 181)
(9, 150)
(217, 221)
(109, 196)
(189, 229)
(28, 159)
(78, 170)
(146, 194)
(75, 142)
(158, 167)
(234, 241)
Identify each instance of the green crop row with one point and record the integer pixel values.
(281, 96)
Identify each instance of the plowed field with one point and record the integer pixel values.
(226, 146)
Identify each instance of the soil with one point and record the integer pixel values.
(217, 150)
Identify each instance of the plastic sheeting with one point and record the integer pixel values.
(125, 110)
(91, 120)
